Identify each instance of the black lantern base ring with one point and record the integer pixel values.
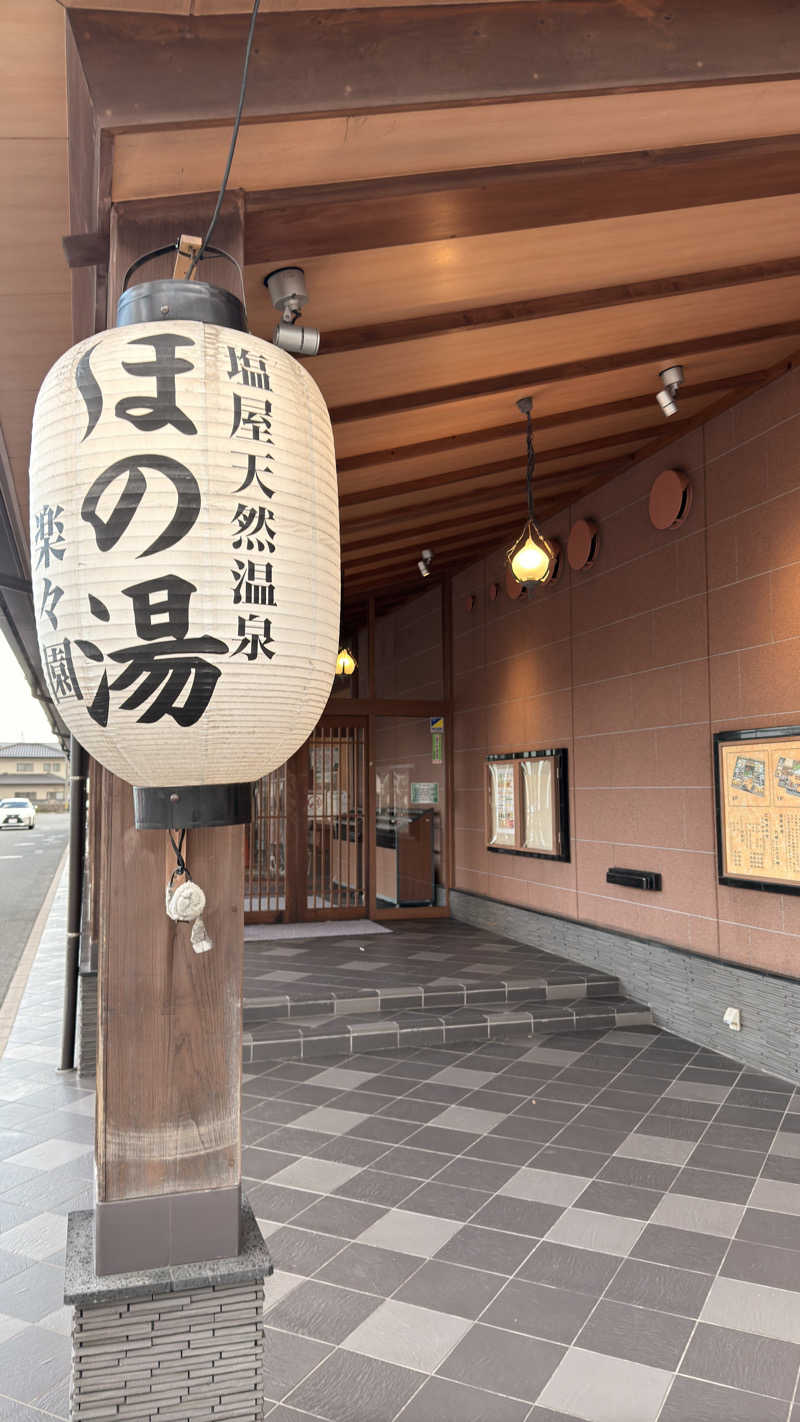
(191, 806)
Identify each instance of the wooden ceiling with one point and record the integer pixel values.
(489, 200)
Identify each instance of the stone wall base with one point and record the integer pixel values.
(688, 993)
(86, 1032)
(182, 1344)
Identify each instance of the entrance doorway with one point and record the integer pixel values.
(354, 825)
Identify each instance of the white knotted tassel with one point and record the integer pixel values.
(185, 905)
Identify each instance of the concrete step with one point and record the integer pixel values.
(400, 992)
(315, 1036)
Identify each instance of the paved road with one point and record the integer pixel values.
(28, 861)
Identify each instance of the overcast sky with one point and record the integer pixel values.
(21, 718)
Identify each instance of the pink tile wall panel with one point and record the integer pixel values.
(633, 665)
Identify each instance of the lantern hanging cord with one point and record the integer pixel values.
(181, 867)
(198, 257)
(525, 406)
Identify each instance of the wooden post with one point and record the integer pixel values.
(168, 1133)
(169, 1056)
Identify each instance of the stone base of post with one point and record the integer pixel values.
(183, 1343)
(86, 1032)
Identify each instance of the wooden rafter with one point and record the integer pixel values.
(430, 207)
(467, 438)
(487, 470)
(361, 59)
(359, 338)
(566, 370)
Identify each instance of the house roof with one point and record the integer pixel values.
(35, 778)
(30, 750)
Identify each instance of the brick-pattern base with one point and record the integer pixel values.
(171, 1357)
(688, 993)
(86, 1034)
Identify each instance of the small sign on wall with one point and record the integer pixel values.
(424, 792)
(757, 784)
(437, 748)
(526, 804)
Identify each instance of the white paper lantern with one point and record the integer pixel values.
(185, 551)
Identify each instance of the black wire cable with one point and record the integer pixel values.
(531, 464)
(198, 257)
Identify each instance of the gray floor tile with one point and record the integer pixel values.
(409, 1232)
(451, 1288)
(545, 1186)
(486, 1249)
(625, 1201)
(713, 1185)
(753, 1308)
(761, 1264)
(565, 1267)
(523, 1217)
(451, 1202)
(333, 1215)
(348, 1387)
(657, 1148)
(375, 1271)
(327, 1118)
(302, 1251)
(642, 1335)
(777, 1195)
(600, 1388)
(33, 1361)
(647, 1174)
(322, 1311)
(442, 1401)
(683, 1249)
(589, 1229)
(507, 1363)
(407, 1335)
(34, 1292)
(540, 1310)
(693, 1213)
(318, 1176)
(659, 1287)
(705, 1402)
(742, 1360)
(465, 1118)
(768, 1226)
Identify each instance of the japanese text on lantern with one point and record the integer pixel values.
(164, 670)
(253, 537)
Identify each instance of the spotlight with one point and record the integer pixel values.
(672, 380)
(289, 293)
(345, 662)
(424, 563)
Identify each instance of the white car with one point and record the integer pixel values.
(17, 814)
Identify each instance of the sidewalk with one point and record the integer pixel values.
(46, 1165)
(604, 1226)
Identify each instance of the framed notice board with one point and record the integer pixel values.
(757, 790)
(527, 808)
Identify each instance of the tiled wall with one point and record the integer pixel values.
(633, 665)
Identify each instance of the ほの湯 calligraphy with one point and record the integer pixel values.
(108, 531)
(153, 412)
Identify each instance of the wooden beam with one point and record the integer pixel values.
(545, 422)
(432, 207)
(382, 549)
(174, 70)
(567, 370)
(359, 338)
(498, 466)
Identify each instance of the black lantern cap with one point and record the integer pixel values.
(191, 806)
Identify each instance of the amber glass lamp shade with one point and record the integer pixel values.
(345, 663)
(532, 559)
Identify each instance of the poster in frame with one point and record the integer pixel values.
(527, 806)
(757, 803)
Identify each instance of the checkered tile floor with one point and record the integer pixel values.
(424, 984)
(601, 1226)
